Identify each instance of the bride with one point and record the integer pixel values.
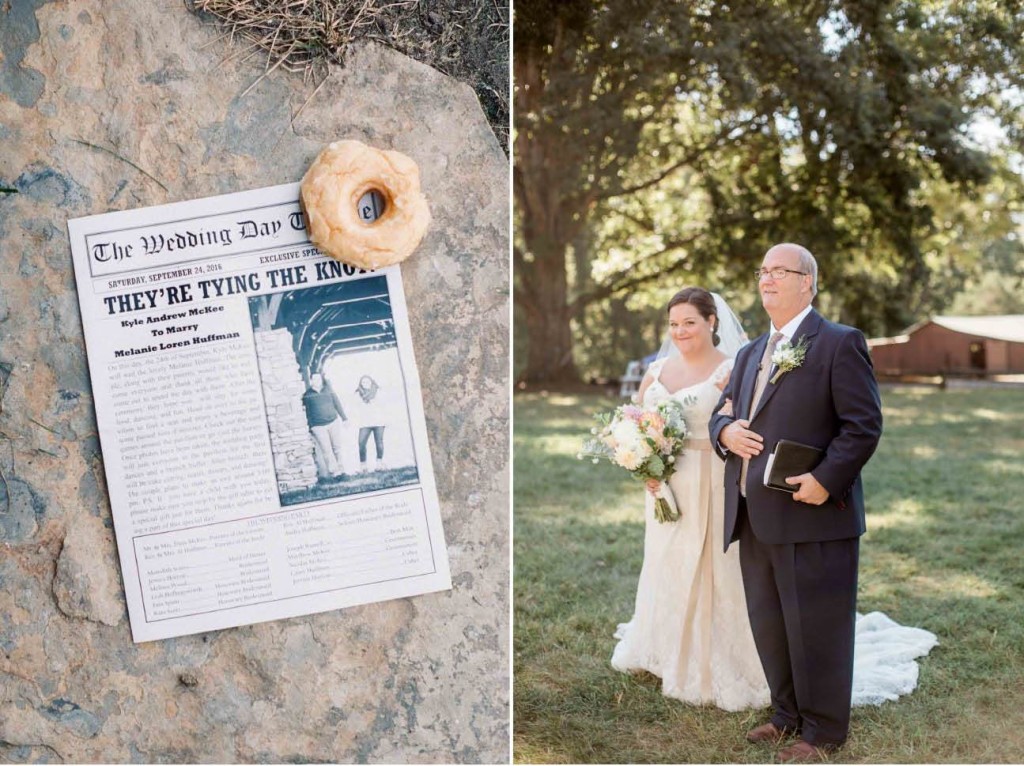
(690, 624)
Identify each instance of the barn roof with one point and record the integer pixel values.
(1006, 327)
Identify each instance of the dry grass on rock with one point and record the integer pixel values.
(467, 41)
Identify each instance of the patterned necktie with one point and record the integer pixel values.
(763, 371)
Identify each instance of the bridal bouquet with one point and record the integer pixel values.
(646, 442)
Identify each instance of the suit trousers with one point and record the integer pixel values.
(802, 604)
(329, 438)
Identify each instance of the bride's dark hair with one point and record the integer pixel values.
(701, 300)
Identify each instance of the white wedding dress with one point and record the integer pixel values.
(690, 625)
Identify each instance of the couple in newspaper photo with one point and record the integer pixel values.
(749, 598)
(328, 421)
(319, 341)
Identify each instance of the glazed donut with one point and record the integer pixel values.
(332, 188)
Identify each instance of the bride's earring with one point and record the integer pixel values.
(715, 337)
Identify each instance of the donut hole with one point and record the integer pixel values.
(372, 205)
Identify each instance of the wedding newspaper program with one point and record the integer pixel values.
(260, 416)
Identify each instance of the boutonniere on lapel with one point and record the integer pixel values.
(788, 357)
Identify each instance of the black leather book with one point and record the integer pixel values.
(790, 458)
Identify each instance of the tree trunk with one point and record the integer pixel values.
(542, 300)
(547, 223)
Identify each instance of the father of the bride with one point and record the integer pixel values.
(799, 552)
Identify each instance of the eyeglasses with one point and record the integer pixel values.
(779, 273)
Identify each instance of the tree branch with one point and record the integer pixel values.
(644, 223)
(623, 281)
(608, 291)
(688, 159)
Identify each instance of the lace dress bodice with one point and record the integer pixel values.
(698, 400)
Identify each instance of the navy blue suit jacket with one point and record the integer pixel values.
(831, 401)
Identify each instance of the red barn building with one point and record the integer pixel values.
(992, 345)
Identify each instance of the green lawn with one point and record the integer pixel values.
(945, 495)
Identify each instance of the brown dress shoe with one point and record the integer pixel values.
(768, 732)
(804, 752)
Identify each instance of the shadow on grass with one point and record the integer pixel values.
(578, 582)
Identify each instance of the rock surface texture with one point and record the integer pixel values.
(114, 105)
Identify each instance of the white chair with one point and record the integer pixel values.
(630, 382)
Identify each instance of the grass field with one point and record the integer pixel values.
(945, 498)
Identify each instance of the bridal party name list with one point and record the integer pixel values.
(283, 555)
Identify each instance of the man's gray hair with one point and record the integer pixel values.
(807, 263)
(810, 265)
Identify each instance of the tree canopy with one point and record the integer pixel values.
(659, 143)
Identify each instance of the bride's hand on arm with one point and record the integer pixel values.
(739, 439)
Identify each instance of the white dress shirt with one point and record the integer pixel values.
(789, 329)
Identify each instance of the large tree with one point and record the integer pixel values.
(689, 137)
(589, 78)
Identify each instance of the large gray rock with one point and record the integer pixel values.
(86, 584)
(113, 105)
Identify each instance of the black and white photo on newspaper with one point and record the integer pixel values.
(333, 349)
(260, 417)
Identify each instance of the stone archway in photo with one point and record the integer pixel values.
(297, 334)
